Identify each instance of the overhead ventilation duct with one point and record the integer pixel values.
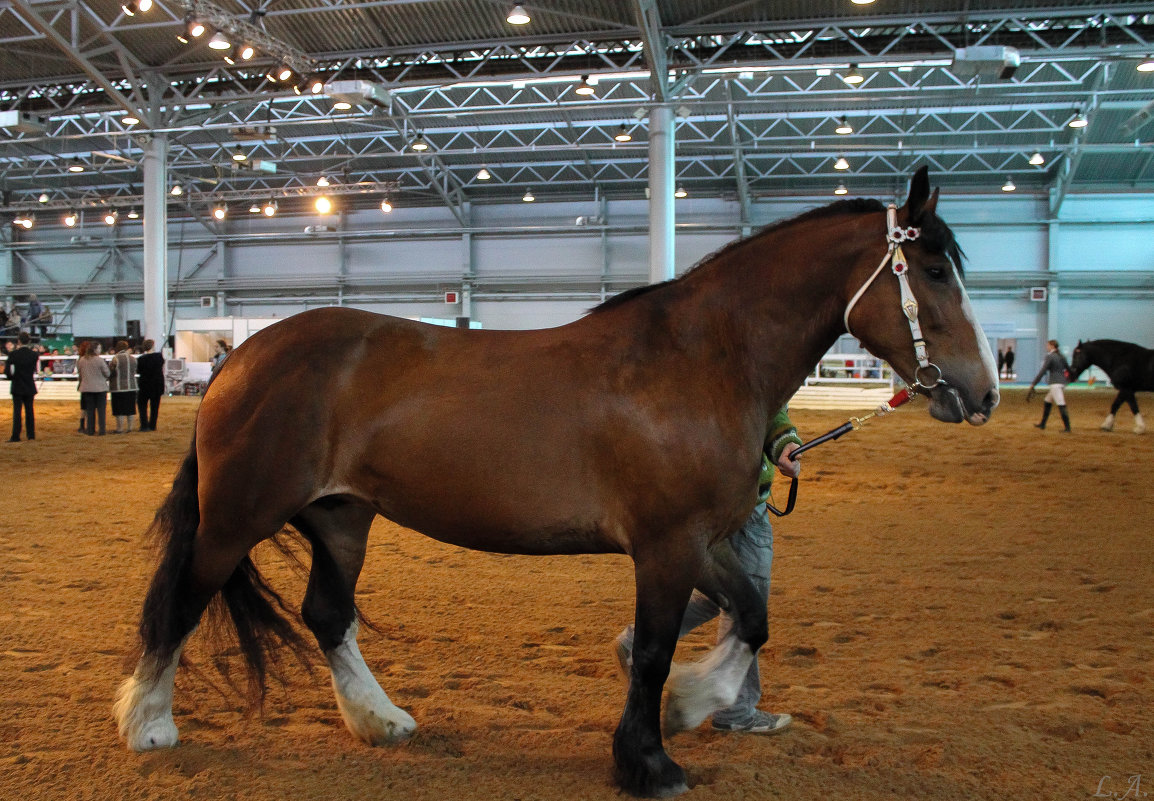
(20, 122)
(359, 93)
(986, 61)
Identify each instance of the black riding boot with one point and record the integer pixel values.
(1045, 414)
(1065, 418)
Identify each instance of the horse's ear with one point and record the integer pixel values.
(919, 195)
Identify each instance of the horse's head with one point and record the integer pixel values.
(1079, 361)
(886, 315)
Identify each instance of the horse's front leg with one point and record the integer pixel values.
(642, 767)
(698, 690)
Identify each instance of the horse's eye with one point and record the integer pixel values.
(936, 272)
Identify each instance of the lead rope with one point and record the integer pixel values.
(903, 397)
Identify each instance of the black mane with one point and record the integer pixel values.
(936, 236)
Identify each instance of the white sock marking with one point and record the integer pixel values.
(367, 710)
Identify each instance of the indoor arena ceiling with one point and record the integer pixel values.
(976, 89)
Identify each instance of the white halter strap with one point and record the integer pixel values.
(895, 236)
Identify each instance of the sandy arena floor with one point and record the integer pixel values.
(956, 613)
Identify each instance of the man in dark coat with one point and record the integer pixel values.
(150, 369)
(21, 371)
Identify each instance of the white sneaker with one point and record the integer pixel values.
(759, 723)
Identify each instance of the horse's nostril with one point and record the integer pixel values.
(991, 400)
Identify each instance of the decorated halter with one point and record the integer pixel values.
(895, 236)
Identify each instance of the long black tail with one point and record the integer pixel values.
(260, 619)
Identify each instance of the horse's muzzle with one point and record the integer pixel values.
(950, 405)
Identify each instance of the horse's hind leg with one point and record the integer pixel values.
(338, 532)
(697, 691)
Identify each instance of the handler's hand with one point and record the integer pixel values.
(785, 465)
(1030, 395)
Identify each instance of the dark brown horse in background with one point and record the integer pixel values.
(1130, 368)
(637, 429)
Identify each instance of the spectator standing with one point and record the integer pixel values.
(1009, 362)
(36, 316)
(93, 386)
(222, 351)
(124, 387)
(150, 368)
(20, 367)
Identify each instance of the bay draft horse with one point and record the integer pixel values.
(1130, 368)
(637, 429)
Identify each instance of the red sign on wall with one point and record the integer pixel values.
(452, 297)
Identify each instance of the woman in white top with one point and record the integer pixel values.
(123, 386)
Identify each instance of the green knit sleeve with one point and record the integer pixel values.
(781, 432)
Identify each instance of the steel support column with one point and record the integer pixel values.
(662, 173)
(155, 163)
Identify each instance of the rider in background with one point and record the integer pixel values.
(1059, 374)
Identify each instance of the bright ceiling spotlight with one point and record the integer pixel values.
(528, 196)
(322, 181)
(386, 206)
(193, 28)
(133, 6)
(841, 190)
(246, 51)
(342, 105)
(254, 208)
(483, 174)
(584, 87)
(1037, 160)
(269, 209)
(284, 73)
(1078, 121)
(841, 163)
(853, 77)
(517, 16)
(177, 190)
(70, 219)
(1008, 186)
(75, 165)
(133, 214)
(680, 192)
(843, 127)
(219, 212)
(862, 2)
(130, 119)
(219, 41)
(110, 218)
(43, 197)
(623, 134)
(311, 85)
(239, 155)
(323, 204)
(1146, 65)
(419, 144)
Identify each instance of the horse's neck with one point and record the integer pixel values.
(783, 303)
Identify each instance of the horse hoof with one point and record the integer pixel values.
(379, 731)
(155, 735)
(666, 781)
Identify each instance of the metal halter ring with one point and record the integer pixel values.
(918, 379)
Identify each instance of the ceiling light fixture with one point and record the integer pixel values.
(386, 206)
(853, 77)
(841, 163)
(1037, 160)
(130, 119)
(528, 196)
(483, 174)
(177, 190)
(269, 209)
(219, 212)
(323, 204)
(843, 127)
(219, 41)
(193, 28)
(1008, 186)
(1079, 121)
(1146, 65)
(246, 51)
(841, 190)
(70, 219)
(680, 192)
(239, 155)
(110, 218)
(517, 16)
(322, 181)
(862, 2)
(584, 87)
(342, 105)
(133, 6)
(43, 197)
(254, 208)
(419, 144)
(623, 134)
(133, 214)
(75, 165)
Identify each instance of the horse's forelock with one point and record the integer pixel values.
(937, 237)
